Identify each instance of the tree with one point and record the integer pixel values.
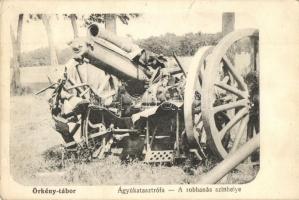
(46, 19)
(16, 52)
(73, 18)
(228, 22)
(110, 19)
(110, 22)
(53, 55)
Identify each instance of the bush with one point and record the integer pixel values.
(41, 57)
(185, 45)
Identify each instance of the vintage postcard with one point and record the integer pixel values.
(149, 99)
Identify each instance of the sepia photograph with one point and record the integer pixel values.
(149, 99)
(134, 98)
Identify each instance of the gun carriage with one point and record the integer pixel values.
(116, 95)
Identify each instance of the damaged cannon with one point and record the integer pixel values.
(115, 95)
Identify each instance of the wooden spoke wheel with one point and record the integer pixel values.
(94, 132)
(192, 97)
(230, 93)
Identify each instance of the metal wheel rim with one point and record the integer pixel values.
(209, 80)
(194, 73)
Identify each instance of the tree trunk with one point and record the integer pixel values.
(74, 25)
(110, 25)
(16, 59)
(228, 22)
(110, 22)
(53, 55)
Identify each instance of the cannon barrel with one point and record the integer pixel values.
(116, 55)
(105, 53)
(123, 43)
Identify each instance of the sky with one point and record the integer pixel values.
(148, 24)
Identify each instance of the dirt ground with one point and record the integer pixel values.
(34, 159)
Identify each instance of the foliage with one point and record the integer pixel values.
(41, 57)
(100, 18)
(88, 19)
(185, 45)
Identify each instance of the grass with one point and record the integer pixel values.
(35, 156)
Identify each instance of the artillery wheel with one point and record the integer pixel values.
(192, 97)
(230, 91)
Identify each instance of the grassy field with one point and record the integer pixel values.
(34, 156)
